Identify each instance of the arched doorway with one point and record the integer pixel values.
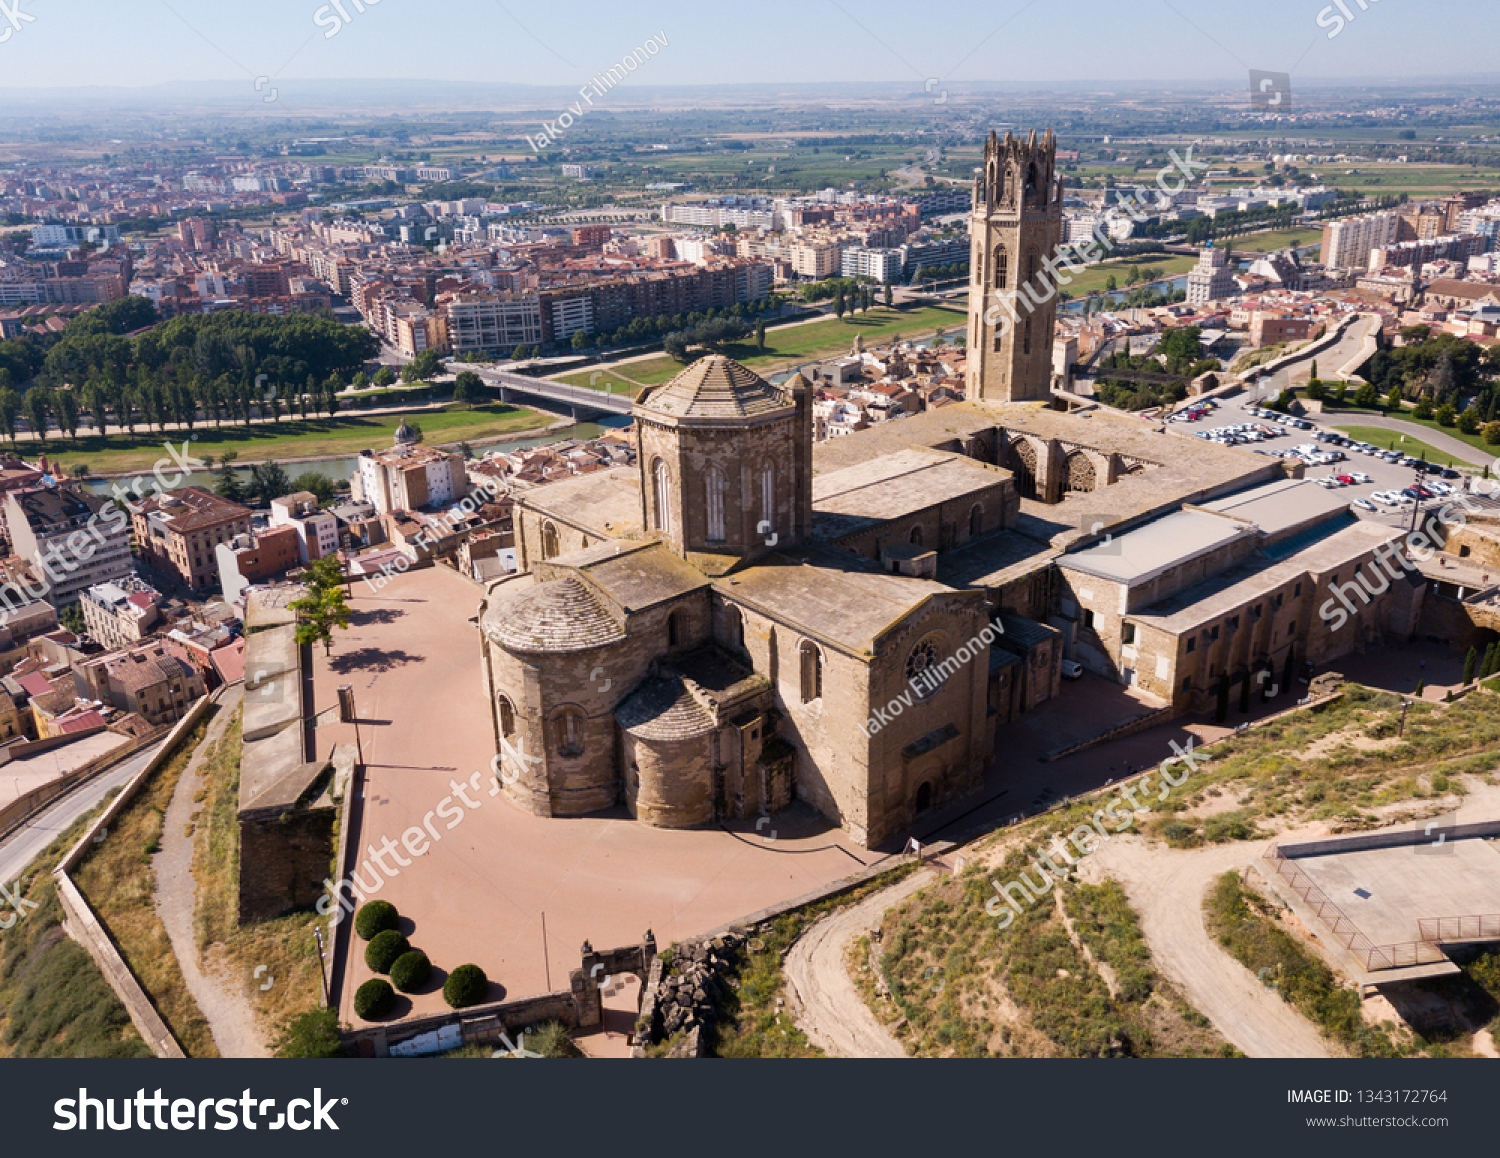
(924, 797)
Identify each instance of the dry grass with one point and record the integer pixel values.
(285, 946)
(119, 881)
(54, 1002)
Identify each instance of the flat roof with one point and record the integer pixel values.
(1140, 554)
(1279, 506)
(895, 485)
(1259, 575)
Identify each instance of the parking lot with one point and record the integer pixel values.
(1372, 474)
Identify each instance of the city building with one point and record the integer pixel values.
(176, 533)
(121, 613)
(73, 540)
(408, 476)
(257, 557)
(1348, 241)
(1212, 279)
(148, 680)
(317, 531)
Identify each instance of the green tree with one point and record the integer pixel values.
(1393, 400)
(385, 377)
(323, 607)
(71, 617)
(317, 484)
(38, 410)
(1471, 661)
(228, 485)
(838, 303)
(1469, 421)
(268, 481)
(760, 336)
(10, 412)
(1367, 396)
(361, 381)
(1315, 390)
(1446, 415)
(1423, 409)
(519, 354)
(1490, 433)
(466, 386)
(1111, 285)
(313, 1033)
(889, 297)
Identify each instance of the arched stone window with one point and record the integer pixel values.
(812, 671)
(507, 717)
(662, 479)
(713, 488)
(1002, 267)
(916, 536)
(549, 541)
(976, 520)
(568, 727)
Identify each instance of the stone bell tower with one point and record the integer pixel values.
(1015, 225)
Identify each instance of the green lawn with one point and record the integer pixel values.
(1473, 440)
(1274, 239)
(788, 345)
(1096, 277)
(342, 434)
(1392, 439)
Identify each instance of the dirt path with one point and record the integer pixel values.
(223, 1002)
(826, 1005)
(1167, 890)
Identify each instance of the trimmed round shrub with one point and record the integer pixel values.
(375, 917)
(381, 953)
(466, 985)
(411, 970)
(374, 999)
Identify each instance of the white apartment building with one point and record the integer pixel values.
(496, 323)
(72, 538)
(409, 476)
(317, 531)
(1347, 243)
(121, 613)
(883, 265)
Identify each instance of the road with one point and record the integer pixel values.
(26, 843)
(825, 1004)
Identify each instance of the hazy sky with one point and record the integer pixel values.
(144, 42)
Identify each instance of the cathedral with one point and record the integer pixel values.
(744, 618)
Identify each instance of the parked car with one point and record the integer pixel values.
(1364, 504)
(1360, 477)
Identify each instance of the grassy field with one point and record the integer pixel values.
(1096, 277)
(1415, 180)
(1474, 440)
(1379, 436)
(119, 881)
(1274, 239)
(285, 946)
(54, 1002)
(339, 435)
(788, 345)
(961, 985)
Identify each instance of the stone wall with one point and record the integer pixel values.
(670, 783)
(284, 860)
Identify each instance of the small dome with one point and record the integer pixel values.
(664, 709)
(561, 615)
(405, 435)
(716, 387)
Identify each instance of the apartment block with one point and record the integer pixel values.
(317, 531)
(177, 532)
(121, 613)
(72, 538)
(148, 680)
